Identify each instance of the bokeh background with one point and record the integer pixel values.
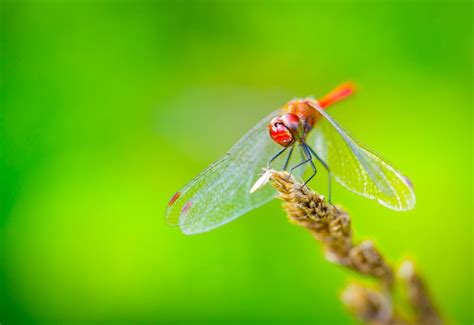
(108, 108)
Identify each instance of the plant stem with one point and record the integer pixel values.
(332, 226)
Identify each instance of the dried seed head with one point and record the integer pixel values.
(418, 295)
(306, 208)
(332, 226)
(368, 305)
(366, 259)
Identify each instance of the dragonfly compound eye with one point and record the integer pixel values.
(280, 132)
(292, 123)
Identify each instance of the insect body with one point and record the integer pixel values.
(221, 193)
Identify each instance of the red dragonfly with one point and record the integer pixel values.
(224, 191)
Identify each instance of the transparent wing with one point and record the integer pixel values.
(221, 193)
(360, 169)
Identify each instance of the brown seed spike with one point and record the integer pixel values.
(332, 226)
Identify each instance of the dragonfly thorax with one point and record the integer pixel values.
(305, 112)
(286, 129)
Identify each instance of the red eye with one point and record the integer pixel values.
(280, 133)
(291, 121)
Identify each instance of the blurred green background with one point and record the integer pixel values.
(108, 108)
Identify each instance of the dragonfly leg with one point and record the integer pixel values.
(275, 157)
(308, 155)
(288, 158)
(305, 161)
(327, 169)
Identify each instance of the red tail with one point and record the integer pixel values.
(337, 94)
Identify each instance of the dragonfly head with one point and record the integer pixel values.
(285, 129)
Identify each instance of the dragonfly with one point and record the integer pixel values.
(226, 189)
